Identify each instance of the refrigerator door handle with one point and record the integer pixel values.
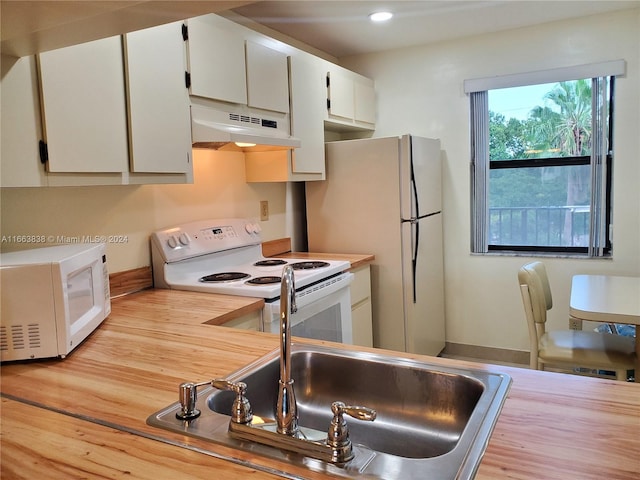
(429, 215)
(414, 261)
(414, 244)
(414, 221)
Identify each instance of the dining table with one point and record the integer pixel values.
(608, 299)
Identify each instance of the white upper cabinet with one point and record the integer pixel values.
(158, 100)
(84, 107)
(216, 59)
(307, 116)
(225, 65)
(117, 110)
(306, 163)
(340, 96)
(365, 102)
(351, 99)
(267, 78)
(21, 124)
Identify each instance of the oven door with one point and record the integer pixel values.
(324, 311)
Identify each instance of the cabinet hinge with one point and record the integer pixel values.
(328, 82)
(44, 152)
(187, 79)
(328, 104)
(185, 32)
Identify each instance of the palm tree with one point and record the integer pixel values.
(574, 131)
(566, 132)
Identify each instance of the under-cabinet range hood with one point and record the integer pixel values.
(223, 126)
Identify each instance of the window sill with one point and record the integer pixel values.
(575, 256)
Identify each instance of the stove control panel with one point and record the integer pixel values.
(204, 237)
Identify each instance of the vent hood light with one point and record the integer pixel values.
(222, 126)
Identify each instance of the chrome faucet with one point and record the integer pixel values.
(286, 407)
(332, 445)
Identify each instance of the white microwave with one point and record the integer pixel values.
(52, 298)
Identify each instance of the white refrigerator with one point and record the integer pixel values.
(383, 196)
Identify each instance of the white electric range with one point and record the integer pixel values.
(225, 256)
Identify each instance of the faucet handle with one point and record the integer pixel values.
(357, 412)
(241, 411)
(338, 435)
(223, 384)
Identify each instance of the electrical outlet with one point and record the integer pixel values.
(575, 324)
(264, 210)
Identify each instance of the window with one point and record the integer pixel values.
(542, 156)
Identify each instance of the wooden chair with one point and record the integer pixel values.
(568, 348)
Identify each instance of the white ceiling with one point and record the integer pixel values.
(338, 28)
(341, 28)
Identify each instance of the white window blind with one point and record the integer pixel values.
(479, 171)
(599, 150)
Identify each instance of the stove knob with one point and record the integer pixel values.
(257, 228)
(249, 228)
(184, 239)
(172, 242)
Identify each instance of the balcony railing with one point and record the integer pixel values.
(566, 226)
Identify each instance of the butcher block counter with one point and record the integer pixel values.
(84, 416)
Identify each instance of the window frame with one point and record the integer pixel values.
(601, 162)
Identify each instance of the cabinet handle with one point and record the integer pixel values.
(44, 152)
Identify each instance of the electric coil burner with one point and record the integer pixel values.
(224, 277)
(270, 262)
(264, 280)
(309, 265)
(225, 257)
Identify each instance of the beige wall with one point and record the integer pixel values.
(219, 191)
(420, 91)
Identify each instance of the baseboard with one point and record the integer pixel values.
(492, 354)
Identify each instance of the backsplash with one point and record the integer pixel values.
(125, 216)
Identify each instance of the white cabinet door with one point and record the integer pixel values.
(159, 120)
(267, 78)
(307, 100)
(340, 94)
(21, 124)
(365, 103)
(308, 108)
(84, 107)
(361, 311)
(351, 100)
(216, 60)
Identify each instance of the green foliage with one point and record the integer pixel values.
(561, 128)
(507, 138)
(547, 132)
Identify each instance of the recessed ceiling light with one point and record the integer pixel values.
(380, 16)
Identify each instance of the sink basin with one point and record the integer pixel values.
(432, 421)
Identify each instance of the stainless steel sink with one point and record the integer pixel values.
(432, 422)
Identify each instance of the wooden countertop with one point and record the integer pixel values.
(84, 416)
